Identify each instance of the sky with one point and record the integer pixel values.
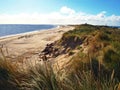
(96, 12)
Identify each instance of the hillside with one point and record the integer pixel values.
(88, 44)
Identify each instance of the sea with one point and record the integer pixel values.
(13, 29)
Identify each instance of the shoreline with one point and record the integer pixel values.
(25, 33)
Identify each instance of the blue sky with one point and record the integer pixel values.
(54, 11)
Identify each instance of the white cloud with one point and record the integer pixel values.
(66, 10)
(64, 16)
(101, 14)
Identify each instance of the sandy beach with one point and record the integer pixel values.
(28, 44)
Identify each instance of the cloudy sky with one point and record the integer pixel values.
(98, 12)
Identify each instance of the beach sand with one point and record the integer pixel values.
(29, 44)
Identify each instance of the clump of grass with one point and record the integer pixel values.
(91, 76)
(42, 77)
(10, 75)
(7, 74)
(112, 62)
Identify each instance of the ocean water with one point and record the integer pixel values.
(11, 29)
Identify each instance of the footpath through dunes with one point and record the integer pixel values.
(28, 46)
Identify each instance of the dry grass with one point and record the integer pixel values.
(42, 77)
